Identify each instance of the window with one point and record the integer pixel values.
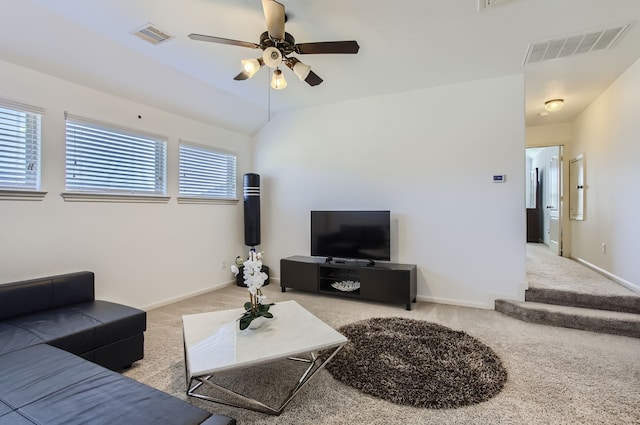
(20, 139)
(107, 160)
(206, 173)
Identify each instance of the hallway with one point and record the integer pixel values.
(549, 271)
(565, 293)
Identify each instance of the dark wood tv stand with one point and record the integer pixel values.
(383, 281)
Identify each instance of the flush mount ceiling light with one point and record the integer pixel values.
(554, 105)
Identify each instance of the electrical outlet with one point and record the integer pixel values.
(223, 265)
(604, 248)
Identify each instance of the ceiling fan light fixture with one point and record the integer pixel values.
(277, 81)
(272, 57)
(301, 70)
(554, 105)
(251, 66)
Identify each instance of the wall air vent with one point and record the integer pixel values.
(486, 4)
(591, 41)
(151, 34)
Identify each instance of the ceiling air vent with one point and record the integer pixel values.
(151, 34)
(574, 45)
(486, 4)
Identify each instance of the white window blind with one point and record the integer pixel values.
(207, 173)
(106, 159)
(20, 139)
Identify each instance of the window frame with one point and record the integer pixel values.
(27, 192)
(199, 198)
(120, 134)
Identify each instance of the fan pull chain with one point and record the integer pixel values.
(269, 99)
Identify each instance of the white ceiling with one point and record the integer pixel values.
(404, 45)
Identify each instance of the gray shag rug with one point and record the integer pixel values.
(417, 363)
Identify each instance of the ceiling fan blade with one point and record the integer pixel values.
(244, 75)
(220, 40)
(313, 79)
(274, 15)
(327, 47)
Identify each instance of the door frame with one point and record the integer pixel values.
(562, 199)
(554, 200)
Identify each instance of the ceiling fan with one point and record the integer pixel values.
(277, 46)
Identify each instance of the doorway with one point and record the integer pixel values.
(544, 196)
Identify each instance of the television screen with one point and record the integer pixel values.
(351, 234)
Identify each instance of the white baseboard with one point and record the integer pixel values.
(631, 286)
(185, 296)
(452, 301)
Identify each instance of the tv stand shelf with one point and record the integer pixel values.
(385, 282)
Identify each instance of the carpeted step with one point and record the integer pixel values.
(622, 303)
(611, 322)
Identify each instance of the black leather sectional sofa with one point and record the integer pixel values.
(59, 350)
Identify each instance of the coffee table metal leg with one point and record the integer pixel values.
(248, 403)
(243, 402)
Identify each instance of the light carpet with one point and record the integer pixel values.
(556, 375)
(549, 271)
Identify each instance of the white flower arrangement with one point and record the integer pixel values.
(254, 278)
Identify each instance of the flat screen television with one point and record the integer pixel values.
(351, 234)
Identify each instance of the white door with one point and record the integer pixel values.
(554, 198)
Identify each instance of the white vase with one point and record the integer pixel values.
(257, 322)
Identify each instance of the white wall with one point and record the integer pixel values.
(549, 135)
(607, 134)
(142, 254)
(428, 156)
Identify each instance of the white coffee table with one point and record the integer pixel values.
(213, 343)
